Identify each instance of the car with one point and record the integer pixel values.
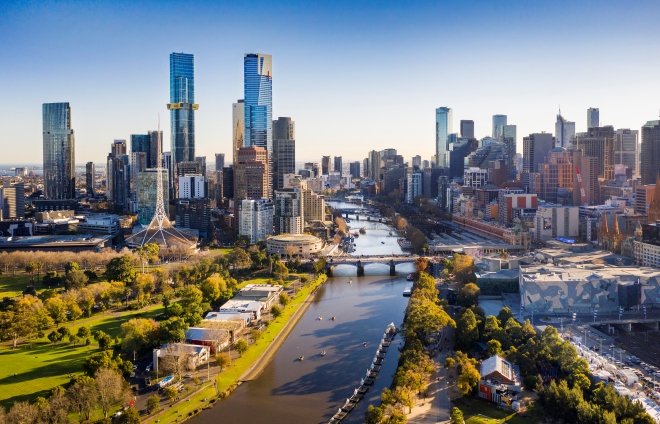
(118, 414)
(611, 345)
(133, 374)
(187, 376)
(149, 367)
(135, 367)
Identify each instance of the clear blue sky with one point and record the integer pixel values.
(354, 75)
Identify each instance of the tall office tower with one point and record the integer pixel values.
(599, 143)
(182, 106)
(255, 218)
(509, 138)
(313, 206)
(443, 127)
(258, 96)
(314, 168)
(564, 132)
(141, 143)
(414, 185)
(593, 117)
(325, 165)
(289, 212)
(284, 129)
(417, 161)
(650, 152)
(284, 161)
(626, 150)
(251, 173)
(202, 160)
(365, 167)
(155, 149)
(228, 182)
(89, 179)
(374, 166)
(117, 175)
(457, 153)
(59, 152)
(219, 161)
(12, 201)
(138, 164)
(147, 194)
(194, 214)
(467, 128)
(536, 148)
(192, 186)
(499, 121)
(355, 169)
(338, 165)
(238, 127)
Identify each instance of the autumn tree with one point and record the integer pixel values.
(82, 395)
(468, 296)
(139, 333)
(241, 347)
(110, 389)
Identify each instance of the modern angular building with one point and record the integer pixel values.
(499, 121)
(338, 164)
(593, 117)
(151, 144)
(258, 100)
(58, 152)
(219, 161)
(564, 132)
(355, 169)
(255, 218)
(194, 214)
(626, 150)
(509, 138)
(650, 152)
(182, 106)
(325, 165)
(467, 128)
(536, 148)
(599, 142)
(289, 212)
(284, 161)
(443, 127)
(117, 175)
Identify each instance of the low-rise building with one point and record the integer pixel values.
(189, 355)
(500, 381)
(556, 221)
(215, 339)
(303, 244)
(255, 309)
(100, 225)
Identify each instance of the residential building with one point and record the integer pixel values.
(374, 167)
(626, 150)
(151, 144)
(194, 214)
(182, 107)
(475, 177)
(564, 132)
(414, 183)
(593, 117)
(192, 186)
(138, 164)
(556, 221)
(326, 166)
(313, 206)
(284, 160)
(117, 175)
(238, 127)
(467, 128)
(511, 199)
(599, 142)
(536, 148)
(443, 127)
(58, 152)
(458, 151)
(509, 139)
(499, 121)
(228, 182)
(219, 161)
(90, 179)
(255, 218)
(12, 201)
(417, 162)
(338, 164)
(650, 152)
(251, 173)
(289, 212)
(284, 129)
(355, 169)
(147, 194)
(314, 168)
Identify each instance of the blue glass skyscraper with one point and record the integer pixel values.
(59, 152)
(443, 127)
(258, 89)
(182, 106)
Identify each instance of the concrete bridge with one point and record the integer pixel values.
(361, 261)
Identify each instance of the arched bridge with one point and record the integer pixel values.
(361, 261)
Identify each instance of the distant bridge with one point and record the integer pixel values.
(362, 261)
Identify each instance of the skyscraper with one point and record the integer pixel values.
(12, 201)
(258, 98)
(499, 121)
(117, 178)
(238, 127)
(650, 152)
(289, 211)
(467, 128)
(443, 127)
(536, 148)
(509, 138)
(151, 144)
(219, 161)
(593, 117)
(564, 132)
(325, 165)
(89, 179)
(338, 165)
(355, 169)
(182, 106)
(599, 143)
(251, 173)
(59, 152)
(627, 149)
(284, 129)
(284, 150)
(374, 166)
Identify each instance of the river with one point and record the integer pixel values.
(311, 391)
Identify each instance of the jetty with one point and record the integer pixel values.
(369, 378)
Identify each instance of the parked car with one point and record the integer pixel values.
(149, 367)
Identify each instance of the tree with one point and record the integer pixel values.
(212, 287)
(131, 416)
(276, 311)
(449, 362)
(73, 338)
(170, 393)
(456, 416)
(284, 299)
(241, 347)
(56, 309)
(105, 359)
(494, 347)
(468, 379)
(143, 284)
(223, 360)
(71, 266)
(468, 296)
(75, 279)
(374, 415)
(83, 332)
(504, 316)
(280, 271)
(319, 265)
(16, 325)
(463, 267)
(582, 381)
(255, 333)
(22, 412)
(173, 330)
(425, 317)
(421, 264)
(191, 296)
(139, 333)
(153, 404)
(239, 258)
(467, 331)
(120, 269)
(109, 387)
(82, 396)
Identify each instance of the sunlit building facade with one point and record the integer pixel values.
(182, 106)
(58, 151)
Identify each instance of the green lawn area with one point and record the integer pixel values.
(476, 411)
(13, 285)
(42, 366)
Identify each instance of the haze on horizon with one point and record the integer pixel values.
(354, 76)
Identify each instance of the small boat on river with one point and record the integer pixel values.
(320, 318)
(323, 353)
(334, 318)
(364, 344)
(300, 358)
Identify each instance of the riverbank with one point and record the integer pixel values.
(253, 361)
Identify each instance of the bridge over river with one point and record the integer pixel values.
(361, 261)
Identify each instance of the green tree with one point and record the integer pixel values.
(75, 279)
(212, 287)
(374, 415)
(173, 330)
(131, 416)
(456, 416)
(241, 346)
(120, 269)
(284, 299)
(56, 309)
(71, 266)
(494, 347)
(468, 296)
(239, 258)
(504, 316)
(468, 379)
(276, 311)
(223, 360)
(319, 265)
(153, 404)
(83, 332)
(467, 331)
(139, 333)
(280, 271)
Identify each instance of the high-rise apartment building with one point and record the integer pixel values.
(117, 175)
(599, 142)
(151, 144)
(258, 98)
(564, 132)
(593, 117)
(284, 161)
(90, 179)
(284, 129)
(314, 168)
(238, 127)
(58, 152)
(289, 211)
(219, 161)
(499, 121)
(650, 152)
(626, 149)
(374, 166)
(414, 186)
(443, 127)
(192, 186)
(228, 182)
(201, 160)
(535, 151)
(417, 161)
(182, 106)
(355, 169)
(338, 164)
(559, 183)
(313, 206)
(509, 138)
(12, 201)
(325, 165)
(138, 164)
(251, 173)
(255, 217)
(467, 128)
(194, 214)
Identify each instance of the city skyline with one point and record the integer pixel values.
(87, 79)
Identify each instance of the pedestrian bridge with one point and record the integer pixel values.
(361, 261)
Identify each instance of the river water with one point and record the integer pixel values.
(311, 391)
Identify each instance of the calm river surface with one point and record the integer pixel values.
(311, 391)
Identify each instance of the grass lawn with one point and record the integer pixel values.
(481, 412)
(13, 285)
(42, 366)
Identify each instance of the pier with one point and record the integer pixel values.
(369, 379)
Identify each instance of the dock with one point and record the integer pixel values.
(368, 381)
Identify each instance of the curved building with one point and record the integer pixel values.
(305, 244)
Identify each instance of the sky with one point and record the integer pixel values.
(354, 75)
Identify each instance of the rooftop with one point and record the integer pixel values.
(295, 238)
